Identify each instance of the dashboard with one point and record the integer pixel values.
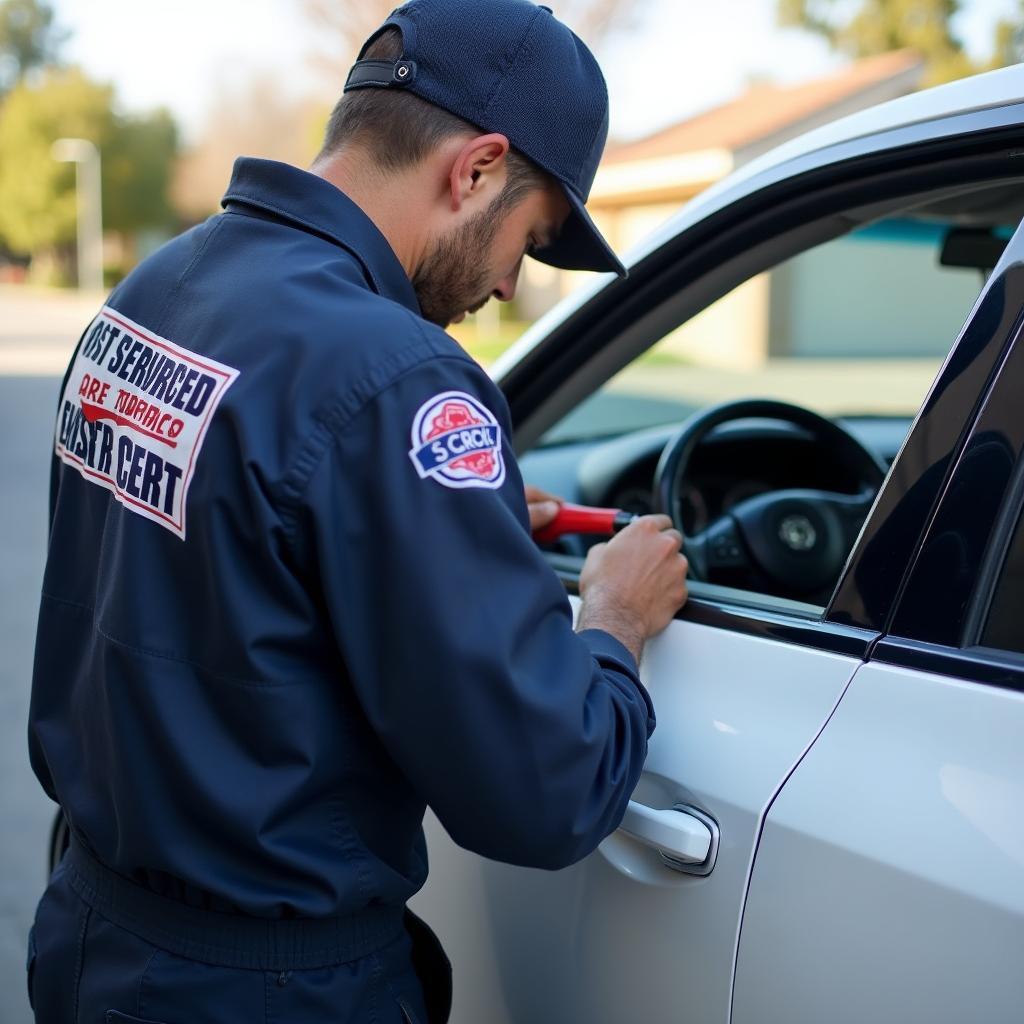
(737, 461)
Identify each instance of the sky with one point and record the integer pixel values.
(685, 55)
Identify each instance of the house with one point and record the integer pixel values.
(642, 183)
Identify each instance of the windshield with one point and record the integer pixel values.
(857, 326)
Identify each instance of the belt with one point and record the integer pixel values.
(227, 940)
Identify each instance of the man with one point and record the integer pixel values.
(291, 596)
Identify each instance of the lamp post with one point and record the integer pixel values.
(86, 158)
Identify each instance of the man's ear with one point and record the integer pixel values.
(479, 169)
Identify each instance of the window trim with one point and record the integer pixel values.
(961, 150)
(956, 622)
(721, 234)
(750, 615)
(1002, 669)
(1004, 530)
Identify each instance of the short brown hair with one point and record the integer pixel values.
(401, 129)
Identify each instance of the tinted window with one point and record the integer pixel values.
(1005, 626)
(857, 326)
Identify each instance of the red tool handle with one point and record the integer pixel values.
(581, 519)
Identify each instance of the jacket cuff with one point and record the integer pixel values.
(612, 653)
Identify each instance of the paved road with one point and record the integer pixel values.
(39, 327)
(37, 331)
(26, 417)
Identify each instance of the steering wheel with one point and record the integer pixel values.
(798, 539)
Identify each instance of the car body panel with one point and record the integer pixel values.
(889, 883)
(754, 728)
(736, 713)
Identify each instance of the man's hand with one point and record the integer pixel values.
(632, 586)
(543, 507)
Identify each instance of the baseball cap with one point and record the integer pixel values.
(510, 66)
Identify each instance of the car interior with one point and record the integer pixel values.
(839, 328)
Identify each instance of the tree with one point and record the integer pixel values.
(37, 193)
(877, 26)
(253, 119)
(29, 39)
(138, 165)
(1009, 40)
(344, 25)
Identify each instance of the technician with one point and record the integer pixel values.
(291, 596)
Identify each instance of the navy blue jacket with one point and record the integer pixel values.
(291, 596)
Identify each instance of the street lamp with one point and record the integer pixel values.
(86, 158)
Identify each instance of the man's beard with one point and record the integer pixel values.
(455, 277)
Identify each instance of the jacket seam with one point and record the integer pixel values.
(339, 415)
(161, 322)
(152, 652)
(500, 84)
(336, 421)
(80, 959)
(69, 603)
(149, 652)
(139, 1005)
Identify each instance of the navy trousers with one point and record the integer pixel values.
(85, 969)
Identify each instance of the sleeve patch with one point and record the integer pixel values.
(134, 415)
(456, 440)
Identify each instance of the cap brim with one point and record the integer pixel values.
(580, 246)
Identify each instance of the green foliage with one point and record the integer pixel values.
(37, 193)
(871, 27)
(1009, 41)
(138, 161)
(28, 39)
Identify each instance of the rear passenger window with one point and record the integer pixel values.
(1005, 626)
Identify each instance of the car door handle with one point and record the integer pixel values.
(687, 839)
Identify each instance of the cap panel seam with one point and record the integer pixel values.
(527, 46)
(513, 60)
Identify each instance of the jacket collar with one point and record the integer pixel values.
(314, 203)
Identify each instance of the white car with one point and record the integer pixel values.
(830, 827)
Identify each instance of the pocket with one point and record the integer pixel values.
(30, 965)
(116, 1017)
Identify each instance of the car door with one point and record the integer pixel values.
(743, 688)
(889, 880)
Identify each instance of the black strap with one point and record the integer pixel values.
(381, 74)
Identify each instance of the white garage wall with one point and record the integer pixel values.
(878, 292)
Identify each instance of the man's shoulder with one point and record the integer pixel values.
(389, 348)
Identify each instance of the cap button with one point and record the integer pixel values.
(404, 73)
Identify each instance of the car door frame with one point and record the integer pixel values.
(976, 513)
(784, 198)
(599, 332)
(935, 630)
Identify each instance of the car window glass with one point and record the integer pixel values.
(1003, 629)
(857, 326)
(854, 329)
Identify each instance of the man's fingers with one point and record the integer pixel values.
(654, 523)
(534, 495)
(675, 535)
(541, 513)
